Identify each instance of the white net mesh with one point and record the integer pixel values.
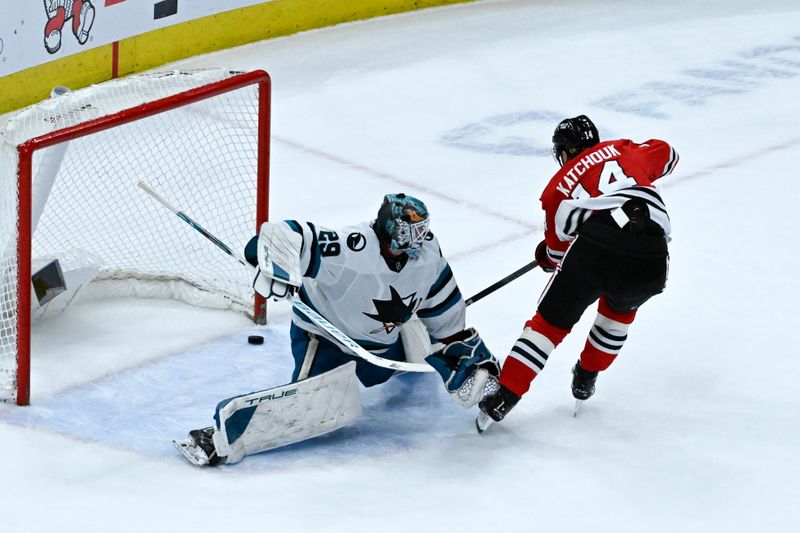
(8, 274)
(202, 158)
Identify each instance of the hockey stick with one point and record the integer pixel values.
(502, 283)
(354, 347)
(197, 227)
(312, 315)
(350, 344)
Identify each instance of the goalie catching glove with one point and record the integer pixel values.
(276, 254)
(467, 367)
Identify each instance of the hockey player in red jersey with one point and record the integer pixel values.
(606, 234)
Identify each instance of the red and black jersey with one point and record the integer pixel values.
(604, 177)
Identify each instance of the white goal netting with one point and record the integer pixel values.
(87, 210)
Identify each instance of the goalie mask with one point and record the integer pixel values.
(573, 135)
(402, 223)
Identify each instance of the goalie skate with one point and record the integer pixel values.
(191, 451)
(199, 448)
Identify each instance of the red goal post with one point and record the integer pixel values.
(200, 137)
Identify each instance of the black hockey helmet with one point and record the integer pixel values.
(402, 223)
(573, 135)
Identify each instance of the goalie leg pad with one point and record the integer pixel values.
(284, 415)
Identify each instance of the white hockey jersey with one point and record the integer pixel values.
(348, 281)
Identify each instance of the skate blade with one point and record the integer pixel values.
(483, 422)
(578, 404)
(195, 455)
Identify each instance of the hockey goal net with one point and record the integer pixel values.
(69, 200)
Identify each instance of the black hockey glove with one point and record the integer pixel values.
(543, 260)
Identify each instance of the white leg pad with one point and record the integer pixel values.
(291, 413)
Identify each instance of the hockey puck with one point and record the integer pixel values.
(255, 339)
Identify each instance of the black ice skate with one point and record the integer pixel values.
(199, 447)
(582, 382)
(582, 385)
(495, 407)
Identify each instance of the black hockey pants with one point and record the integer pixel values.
(606, 260)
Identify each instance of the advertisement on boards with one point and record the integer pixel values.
(34, 32)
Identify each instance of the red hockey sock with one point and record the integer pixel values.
(529, 354)
(606, 338)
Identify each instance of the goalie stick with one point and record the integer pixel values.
(482, 422)
(312, 315)
(354, 347)
(315, 317)
(197, 227)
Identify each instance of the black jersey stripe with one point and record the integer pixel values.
(649, 202)
(582, 218)
(646, 190)
(439, 284)
(572, 228)
(568, 223)
(673, 160)
(443, 306)
(314, 253)
(643, 193)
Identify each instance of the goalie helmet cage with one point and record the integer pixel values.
(69, 168)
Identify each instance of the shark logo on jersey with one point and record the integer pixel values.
(395, 312)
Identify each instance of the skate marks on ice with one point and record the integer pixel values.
(142, 409)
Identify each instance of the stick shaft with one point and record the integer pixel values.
(503, 282)
(196, 226)
(354, 347)
(312, 315)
